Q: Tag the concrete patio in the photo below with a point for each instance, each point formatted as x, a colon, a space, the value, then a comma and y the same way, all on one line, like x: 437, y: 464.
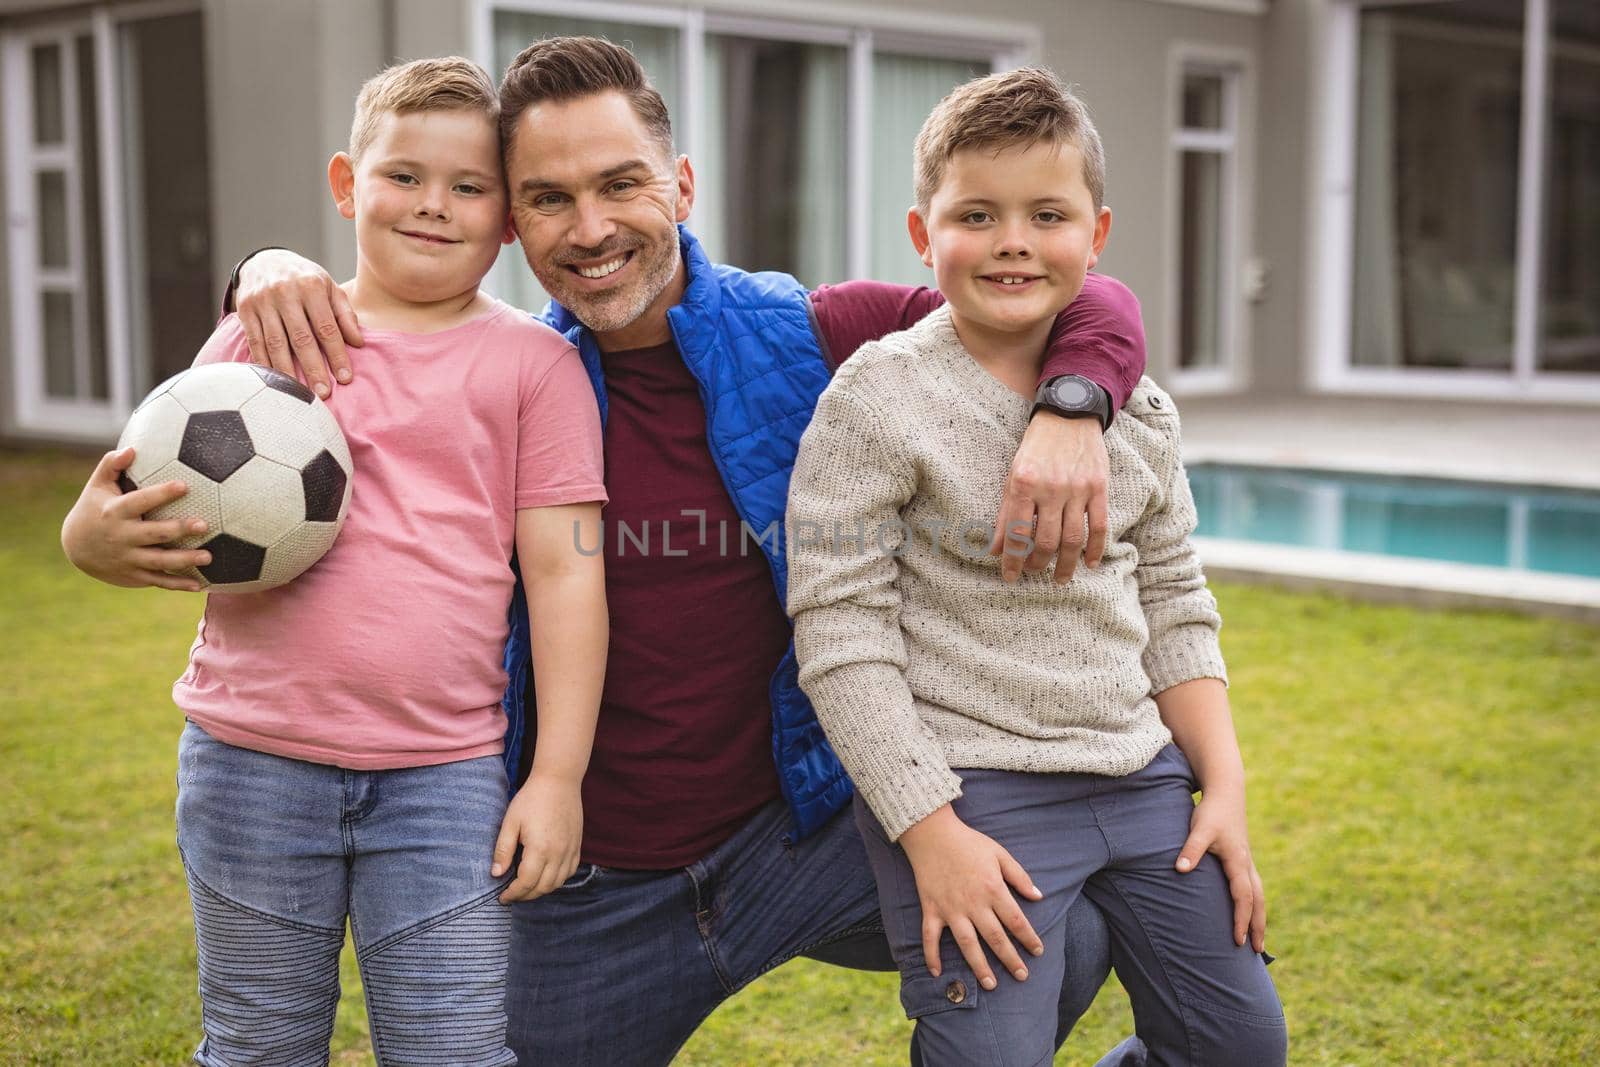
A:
x: 1530, y: 445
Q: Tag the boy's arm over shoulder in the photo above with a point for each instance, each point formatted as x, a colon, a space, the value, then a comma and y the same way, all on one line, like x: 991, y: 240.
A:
x: 1179, y: 609
x: 853, y: 475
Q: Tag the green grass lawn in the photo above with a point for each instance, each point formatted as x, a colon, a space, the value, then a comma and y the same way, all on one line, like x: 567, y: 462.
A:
x: 1423, y: 800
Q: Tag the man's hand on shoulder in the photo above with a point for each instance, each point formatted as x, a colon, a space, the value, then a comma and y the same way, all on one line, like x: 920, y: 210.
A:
x: 293, y: 312
x: 1055, y: 491
x: 106, y: 536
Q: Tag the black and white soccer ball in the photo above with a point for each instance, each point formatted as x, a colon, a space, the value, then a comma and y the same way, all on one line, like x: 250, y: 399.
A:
x: 266, y: 464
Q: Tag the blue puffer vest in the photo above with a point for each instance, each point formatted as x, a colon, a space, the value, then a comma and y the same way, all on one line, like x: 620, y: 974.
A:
x: 751, y: 344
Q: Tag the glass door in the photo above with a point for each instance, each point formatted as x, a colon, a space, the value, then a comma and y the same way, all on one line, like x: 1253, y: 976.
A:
x: 108, y: 209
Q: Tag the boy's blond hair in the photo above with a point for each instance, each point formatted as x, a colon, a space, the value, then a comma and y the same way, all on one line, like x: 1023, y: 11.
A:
x: 1015, y: 108
x: 450, y: 83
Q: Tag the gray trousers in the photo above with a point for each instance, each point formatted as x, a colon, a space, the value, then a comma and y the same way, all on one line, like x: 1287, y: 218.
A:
x: 1197, y: 997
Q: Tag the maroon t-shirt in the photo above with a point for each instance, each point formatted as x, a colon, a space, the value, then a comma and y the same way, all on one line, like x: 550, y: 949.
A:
x: 683, y: 749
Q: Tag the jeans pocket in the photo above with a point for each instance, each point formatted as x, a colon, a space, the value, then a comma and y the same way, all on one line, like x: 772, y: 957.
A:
x: 586, y: 873
x: 923, y: 994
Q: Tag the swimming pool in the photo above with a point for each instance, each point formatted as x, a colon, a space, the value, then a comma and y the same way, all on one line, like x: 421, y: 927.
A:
x: 1514, y: 527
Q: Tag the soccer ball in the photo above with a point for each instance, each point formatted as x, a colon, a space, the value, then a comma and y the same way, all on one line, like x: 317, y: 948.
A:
x: 266, y: 464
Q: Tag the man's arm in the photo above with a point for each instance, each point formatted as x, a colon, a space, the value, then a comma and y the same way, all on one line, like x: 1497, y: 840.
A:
x: 1055, y: 497
x: 293, y: 312
x: 1099, y: 336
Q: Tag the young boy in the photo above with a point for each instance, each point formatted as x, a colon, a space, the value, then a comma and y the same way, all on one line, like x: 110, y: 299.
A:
x: 342, y: 753
x: 1043, y: 736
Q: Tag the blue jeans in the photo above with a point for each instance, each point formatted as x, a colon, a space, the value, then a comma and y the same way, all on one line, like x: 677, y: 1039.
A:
x: 1197, y: 997
x: 279, y: 853
x: 620, y: 967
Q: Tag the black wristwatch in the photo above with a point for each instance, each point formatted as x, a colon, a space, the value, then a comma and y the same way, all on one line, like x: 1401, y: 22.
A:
x: 1073, y: 396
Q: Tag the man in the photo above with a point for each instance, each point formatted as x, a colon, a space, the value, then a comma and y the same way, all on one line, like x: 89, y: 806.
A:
x: 715, y: 845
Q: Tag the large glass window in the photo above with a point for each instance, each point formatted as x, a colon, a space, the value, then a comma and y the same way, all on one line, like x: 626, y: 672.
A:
x: 1436, y: 186
x: 774, y: 155
x: 800, y: 135
x: 1477, y: 187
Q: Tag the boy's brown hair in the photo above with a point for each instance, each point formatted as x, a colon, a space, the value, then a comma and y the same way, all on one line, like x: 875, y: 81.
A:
x: 566, y: 68
x: 1011, y: 109
x: 450, y: 83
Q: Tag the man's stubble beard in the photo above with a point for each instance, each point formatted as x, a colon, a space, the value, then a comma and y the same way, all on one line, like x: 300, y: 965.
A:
x: 617, y: 308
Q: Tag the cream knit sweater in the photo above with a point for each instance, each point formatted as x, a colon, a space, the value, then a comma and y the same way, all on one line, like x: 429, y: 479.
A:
x: 917, y: 657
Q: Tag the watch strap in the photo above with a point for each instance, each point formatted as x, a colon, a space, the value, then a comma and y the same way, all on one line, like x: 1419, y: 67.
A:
x: 233, y: 278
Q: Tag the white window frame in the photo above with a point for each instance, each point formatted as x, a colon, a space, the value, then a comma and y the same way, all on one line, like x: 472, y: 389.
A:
x: 862, y: 31
x: 33, y: 409
x: 1331, y: 232
x: 1231, y: 142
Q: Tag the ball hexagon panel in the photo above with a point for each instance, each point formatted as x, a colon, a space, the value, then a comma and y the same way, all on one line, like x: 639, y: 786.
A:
x: 281, y: 429
x: 216, y: 444
x: 262, y: 501
x: 293, y: 555
x: 283, y: 384
x: 203, y: 501
x: 216, y: 387
x: 232, y: 560
x: 155, y: 433
x: 325, y: 487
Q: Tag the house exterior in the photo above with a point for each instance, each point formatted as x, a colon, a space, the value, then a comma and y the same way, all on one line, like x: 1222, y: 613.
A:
x: 1311, y: 197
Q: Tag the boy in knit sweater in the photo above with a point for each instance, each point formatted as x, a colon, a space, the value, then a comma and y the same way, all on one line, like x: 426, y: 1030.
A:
x: 1044, y: 736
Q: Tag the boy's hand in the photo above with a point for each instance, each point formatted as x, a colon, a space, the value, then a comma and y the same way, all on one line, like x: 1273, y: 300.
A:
x: 293, y: 311
x: 546, y: 819
x: 962, y: 881
x: 1218, y: 826
x: 106, y: 536
x: 1059, y: 477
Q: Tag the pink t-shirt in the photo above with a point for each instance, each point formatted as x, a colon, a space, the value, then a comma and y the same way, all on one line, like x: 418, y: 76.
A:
x: 387, y: 653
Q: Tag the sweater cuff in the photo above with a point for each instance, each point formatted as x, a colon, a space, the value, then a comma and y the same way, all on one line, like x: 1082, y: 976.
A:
x: 914, y: 791
x: 1182, y: 654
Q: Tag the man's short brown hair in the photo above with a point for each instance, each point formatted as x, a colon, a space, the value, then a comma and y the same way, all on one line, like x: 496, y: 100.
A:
x: 566, y: 68
x: 449, y: 83
x: 1016, y: 108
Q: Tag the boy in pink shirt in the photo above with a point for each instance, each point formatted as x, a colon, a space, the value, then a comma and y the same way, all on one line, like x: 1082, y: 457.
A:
x: 342, y: 754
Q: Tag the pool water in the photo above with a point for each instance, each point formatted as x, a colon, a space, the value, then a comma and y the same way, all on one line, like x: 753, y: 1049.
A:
x: 1517, y: 527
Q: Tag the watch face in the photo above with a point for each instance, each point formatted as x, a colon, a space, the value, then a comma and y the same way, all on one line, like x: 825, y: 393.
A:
x: 1071, y: 394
